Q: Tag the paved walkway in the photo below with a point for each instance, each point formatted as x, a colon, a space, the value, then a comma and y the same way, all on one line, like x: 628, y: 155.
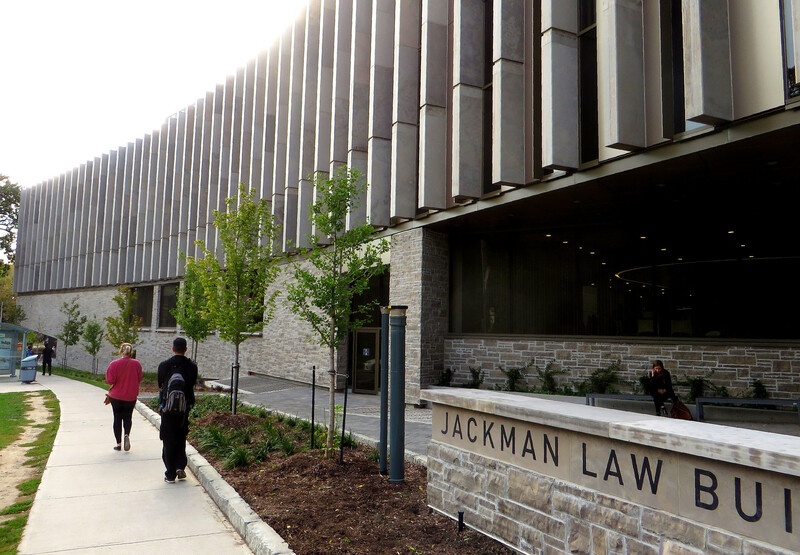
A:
x: 93, y: 499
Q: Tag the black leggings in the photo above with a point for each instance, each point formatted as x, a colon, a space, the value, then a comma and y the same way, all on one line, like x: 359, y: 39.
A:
x: 123, y: 410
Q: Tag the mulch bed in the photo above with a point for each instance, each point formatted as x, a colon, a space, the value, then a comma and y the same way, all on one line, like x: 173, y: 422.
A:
x: 320, y: 506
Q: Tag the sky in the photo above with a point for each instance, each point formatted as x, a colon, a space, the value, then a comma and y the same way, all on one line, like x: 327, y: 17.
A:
x: 79, y: 78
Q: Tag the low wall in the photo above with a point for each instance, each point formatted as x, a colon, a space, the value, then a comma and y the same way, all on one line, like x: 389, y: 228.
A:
x: 544, y: 476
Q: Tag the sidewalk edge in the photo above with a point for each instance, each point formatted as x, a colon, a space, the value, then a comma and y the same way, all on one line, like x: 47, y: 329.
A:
x: 260, y: 537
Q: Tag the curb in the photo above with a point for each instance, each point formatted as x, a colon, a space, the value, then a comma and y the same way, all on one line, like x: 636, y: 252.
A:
x: 259, y: 536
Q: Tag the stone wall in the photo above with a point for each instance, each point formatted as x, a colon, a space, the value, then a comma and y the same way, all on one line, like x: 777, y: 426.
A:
x: 566, y: 478
x: 419, y: 280
x: 732, y: 366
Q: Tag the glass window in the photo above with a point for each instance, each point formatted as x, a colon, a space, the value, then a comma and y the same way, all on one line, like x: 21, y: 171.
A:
x: 143, y: 304
x: 168, y: 303
x: 587, y: 74
x: 708, y: 275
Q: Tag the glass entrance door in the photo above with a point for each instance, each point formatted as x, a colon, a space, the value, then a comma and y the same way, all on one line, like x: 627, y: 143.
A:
x: 366, y: 360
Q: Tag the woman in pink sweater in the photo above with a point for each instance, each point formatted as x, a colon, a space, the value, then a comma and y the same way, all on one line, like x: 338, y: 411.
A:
x: 124, y: 375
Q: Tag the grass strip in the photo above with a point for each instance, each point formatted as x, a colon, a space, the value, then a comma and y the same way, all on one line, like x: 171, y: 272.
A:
x: 12, y: 417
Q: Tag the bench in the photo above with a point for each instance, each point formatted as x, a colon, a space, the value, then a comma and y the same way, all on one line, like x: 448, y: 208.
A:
x: 592, y: 397
x: 736, y: 401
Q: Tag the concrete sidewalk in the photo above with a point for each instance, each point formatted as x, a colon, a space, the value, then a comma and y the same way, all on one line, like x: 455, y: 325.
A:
x: 93, y: 499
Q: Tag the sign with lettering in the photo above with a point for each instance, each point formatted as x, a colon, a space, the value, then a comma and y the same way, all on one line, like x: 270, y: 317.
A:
x: 749, y: 501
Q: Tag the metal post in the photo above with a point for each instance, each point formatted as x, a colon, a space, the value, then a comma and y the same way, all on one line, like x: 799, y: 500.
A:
x: 235, y: 396
x: 344, y: 420
x: 397, y: 407
x: 232, y: 367
x: 384, y: 412
x: 313, y: 401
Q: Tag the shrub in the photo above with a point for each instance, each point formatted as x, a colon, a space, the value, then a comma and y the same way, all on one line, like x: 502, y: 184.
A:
x: 547, y: 377
x: 477, y: 377
x: 759, y: 390
x: 602, y: 380
x: 514, y: 376
x: 445, y: 378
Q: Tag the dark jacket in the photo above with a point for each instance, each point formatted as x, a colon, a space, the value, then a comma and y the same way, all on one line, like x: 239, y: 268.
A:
x: 186, y: 368
x: 662, y: 381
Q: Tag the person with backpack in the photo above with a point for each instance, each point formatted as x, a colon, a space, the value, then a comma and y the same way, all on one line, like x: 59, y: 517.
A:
x: 124, y: 375
x: 48, y: 354
x: 177, y: 377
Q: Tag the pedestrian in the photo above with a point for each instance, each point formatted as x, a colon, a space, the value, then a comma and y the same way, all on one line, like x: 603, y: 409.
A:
x: 29, y: 352
x: 48, y: 353
x: 124, y: 375
x: 175, y: 427
x: 661, y: 387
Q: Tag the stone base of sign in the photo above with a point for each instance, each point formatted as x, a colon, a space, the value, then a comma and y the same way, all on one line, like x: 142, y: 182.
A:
x: 549, y: 477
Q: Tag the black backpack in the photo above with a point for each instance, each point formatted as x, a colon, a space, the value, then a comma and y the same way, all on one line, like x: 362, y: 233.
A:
x: 174, y: 395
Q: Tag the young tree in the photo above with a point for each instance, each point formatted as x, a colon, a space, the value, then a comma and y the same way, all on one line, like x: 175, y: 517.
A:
x: 235, y: 289
x: 10, y: 311
x: 342, y: 267
x: 190, y: 312
x: 93, y: 340
x: 73, y: 326
x: 9, y: 218
x: 123, y: 328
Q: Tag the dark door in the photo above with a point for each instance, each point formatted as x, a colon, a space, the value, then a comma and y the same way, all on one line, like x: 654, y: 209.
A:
x: 366, y: 360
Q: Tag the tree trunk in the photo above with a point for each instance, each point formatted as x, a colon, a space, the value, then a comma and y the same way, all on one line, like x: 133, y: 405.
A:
x: 331, y: 404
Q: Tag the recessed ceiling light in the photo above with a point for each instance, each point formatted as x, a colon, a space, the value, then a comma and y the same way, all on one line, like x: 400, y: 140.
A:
x: 772, y: 163
x: 742, y: 245
x: 642, y: 237
x: 730, y: 232
x: 548, y: 235
x: 565, y: 242
x: 591, y: 252
x: 663, y: 250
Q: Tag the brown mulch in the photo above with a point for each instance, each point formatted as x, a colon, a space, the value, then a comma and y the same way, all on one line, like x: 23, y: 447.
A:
x: 320, y: 506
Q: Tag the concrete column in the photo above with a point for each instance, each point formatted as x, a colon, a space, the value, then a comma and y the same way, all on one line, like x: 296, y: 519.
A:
x: 796, y: 36
x: 270, y: 107
x: 246, y: 155
x: 167, y: 202
x: 405, y: 110
x: 620, y: 50
x: 110, y: 220
x: 468, y: 80
x: 214, y: 187
x: 162, y: 167
x: 433, y: 151
x: 294, y: 136
x: 281, y: 128
x: 358, y: 125
x: 508, y: 93
x: 152, y: 194
x: 227, y: 188
x: 322, y: 149
x: 707, y: 80
x: 204, y: 180
x: 177, y: 229
x: 142, y: 210
x: 341, y: 84
x: 259, y: 85
x: 560, y: 109
x: 194, y: 158
x: 68, y: 229
x: 55, y: 246
x: 114, y: 227
x: 309, y: 121
x: 126, y: 213
x: 40, y: 223
x: 132, y: 211
x: 23, y: 242
x: 237, y: 128
x: 91, y: 232
x: 379, y: 146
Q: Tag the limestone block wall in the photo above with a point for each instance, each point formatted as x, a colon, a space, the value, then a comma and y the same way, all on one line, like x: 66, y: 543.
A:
x: 549, y: 477
x: 419, y: 280
x: 733, y: 366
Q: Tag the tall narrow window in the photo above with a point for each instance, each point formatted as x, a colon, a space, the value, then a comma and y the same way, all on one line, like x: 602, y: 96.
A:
x: 143, y: 304
x: 587, y: 74
x: 168, y: 303
x: 789, y: 61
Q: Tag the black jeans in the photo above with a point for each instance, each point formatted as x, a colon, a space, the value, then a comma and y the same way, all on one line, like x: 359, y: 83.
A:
x: 47, y: 365
x: 173, y: 435
x: 123, y: 410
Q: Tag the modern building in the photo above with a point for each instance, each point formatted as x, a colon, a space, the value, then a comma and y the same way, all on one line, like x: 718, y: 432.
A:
x: 568, y: 182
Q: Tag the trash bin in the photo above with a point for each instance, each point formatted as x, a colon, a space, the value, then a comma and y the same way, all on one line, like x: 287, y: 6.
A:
x: 27, y: 369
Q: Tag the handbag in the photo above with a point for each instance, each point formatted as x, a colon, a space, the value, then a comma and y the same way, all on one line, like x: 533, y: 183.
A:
x: 679, y: 410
